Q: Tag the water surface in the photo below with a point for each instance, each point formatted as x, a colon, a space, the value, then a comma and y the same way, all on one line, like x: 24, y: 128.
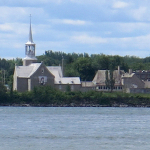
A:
x: 66, y: 128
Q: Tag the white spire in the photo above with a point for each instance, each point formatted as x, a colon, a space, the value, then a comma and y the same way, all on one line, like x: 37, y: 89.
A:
x: 30, y: 32
x: 30, y: 47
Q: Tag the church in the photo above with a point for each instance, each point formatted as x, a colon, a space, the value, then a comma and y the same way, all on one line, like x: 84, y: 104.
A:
x: 33, y: 74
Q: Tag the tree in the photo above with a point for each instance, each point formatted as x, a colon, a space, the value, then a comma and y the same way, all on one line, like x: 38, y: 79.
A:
x: 68, y: 88
x: 84, y: 68
x: 110, y: 81
x: 107, y: 81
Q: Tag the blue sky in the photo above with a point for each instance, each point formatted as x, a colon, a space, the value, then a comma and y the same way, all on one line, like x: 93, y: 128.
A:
x: 111, y: 27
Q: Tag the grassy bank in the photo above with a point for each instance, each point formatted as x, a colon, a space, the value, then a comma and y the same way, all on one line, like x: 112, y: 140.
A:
x: 47, y: 96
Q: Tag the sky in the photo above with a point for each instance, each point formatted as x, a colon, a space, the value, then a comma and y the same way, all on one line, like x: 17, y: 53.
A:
x: 110, y: 27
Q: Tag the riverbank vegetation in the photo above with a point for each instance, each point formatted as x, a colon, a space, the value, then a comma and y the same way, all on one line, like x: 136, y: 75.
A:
x: 48, y: 96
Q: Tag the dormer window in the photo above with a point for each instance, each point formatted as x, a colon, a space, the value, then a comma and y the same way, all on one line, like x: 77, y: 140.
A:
x: 42, y: 70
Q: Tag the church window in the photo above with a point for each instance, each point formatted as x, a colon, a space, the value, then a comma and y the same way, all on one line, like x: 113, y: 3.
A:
x: 42, y: 70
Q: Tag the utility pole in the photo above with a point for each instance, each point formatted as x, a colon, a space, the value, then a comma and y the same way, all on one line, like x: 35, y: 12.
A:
x: 62, y: 66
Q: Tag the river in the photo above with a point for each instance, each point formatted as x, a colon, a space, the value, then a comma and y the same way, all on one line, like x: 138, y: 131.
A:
x: 74, y: 128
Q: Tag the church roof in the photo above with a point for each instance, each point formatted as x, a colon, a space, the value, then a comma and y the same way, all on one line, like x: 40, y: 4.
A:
x: 26, y: 71
x: 68, y: 80
x: 56, y: 71
x: 59, y: 79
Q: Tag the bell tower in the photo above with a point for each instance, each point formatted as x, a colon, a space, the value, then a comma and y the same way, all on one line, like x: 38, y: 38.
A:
x: 29, y: 49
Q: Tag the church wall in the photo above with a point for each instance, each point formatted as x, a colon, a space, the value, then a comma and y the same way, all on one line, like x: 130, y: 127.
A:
x: 73, y: 87
x: 22, y: 84
x: 42, y: 77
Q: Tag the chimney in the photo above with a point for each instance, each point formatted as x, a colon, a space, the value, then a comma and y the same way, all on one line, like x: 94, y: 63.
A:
x: 62, y: 66
x: 118, y: 70
x: 130, y: 71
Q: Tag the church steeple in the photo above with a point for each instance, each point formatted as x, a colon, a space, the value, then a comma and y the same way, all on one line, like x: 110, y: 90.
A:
x: 30, y: 48
x: 30, y: 32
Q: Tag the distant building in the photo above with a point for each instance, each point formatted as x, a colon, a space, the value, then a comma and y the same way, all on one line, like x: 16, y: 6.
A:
x: 100, y: 78
x: 124, y: 82
x: 143, y: 74
x: 33, y: 74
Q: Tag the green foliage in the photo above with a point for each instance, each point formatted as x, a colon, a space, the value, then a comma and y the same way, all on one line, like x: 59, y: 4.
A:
x: 48, y: 96
x: 68, y: 88
x: 84, y: 68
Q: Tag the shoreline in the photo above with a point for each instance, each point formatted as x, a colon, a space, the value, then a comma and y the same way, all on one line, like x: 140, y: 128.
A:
x: 72, y: 105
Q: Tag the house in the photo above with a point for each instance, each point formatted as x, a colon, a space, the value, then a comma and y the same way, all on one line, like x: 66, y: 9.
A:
x: 131, y: 81
x: 126, y: 82
x: 33, y: 74
x: 100, y: 78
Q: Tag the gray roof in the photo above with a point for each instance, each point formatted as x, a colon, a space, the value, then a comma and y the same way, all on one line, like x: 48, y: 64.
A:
x: 55, y: 70
x: 26, y: 71
x: 87, y: 84
x: 68, y: 80
x: 59, y: 79
x: 127, y: 75
x: 100, y: 76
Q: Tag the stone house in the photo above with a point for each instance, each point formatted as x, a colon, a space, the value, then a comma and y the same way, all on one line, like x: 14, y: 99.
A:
x: 100, y: 78
x: 130, y: 80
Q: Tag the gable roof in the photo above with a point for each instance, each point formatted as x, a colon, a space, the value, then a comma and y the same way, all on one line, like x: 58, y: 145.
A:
x: 55, y: 70
x: 59, y: 79
x: 26, y: 71
x: 100, y: 76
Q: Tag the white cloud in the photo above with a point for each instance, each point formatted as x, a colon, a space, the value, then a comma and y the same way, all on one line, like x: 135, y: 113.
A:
x: 73, y: 22
x: 134, y: 26
x: 140, y: 14
x: 138, y: 42
x: 14, y: 14
x: 86, y: 39
x: 6, y: 27
x: 69, y: 21
x: 120, y: 4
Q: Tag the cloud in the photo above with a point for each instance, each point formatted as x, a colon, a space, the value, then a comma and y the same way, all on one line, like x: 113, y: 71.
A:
x: 120, y: 4
x: 19, y: 14
x: 132, y: 26
x: 69, y: 21
x: 140, y: 13
x: 73, y: 22
x: 6, y: 27
x: 137, y: 42
x: 86, y: 39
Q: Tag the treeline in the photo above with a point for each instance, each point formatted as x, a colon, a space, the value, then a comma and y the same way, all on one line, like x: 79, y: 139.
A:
x: 7, y: 70
x: 48, y: 96
x: 83, y: 65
